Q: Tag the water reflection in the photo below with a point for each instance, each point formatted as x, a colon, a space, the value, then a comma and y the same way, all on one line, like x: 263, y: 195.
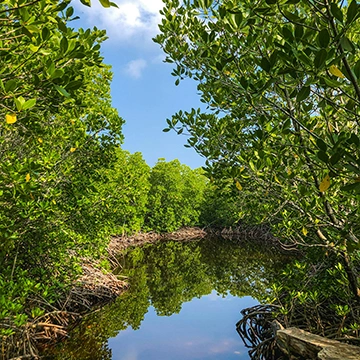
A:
x: 182, y: 336
x: 210, y: 281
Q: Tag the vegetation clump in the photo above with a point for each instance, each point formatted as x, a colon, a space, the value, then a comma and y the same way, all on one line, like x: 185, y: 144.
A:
x: 280, y: 135
x: 280, y: 80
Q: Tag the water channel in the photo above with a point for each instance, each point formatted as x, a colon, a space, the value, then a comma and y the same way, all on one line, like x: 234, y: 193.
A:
x: 183, y: 303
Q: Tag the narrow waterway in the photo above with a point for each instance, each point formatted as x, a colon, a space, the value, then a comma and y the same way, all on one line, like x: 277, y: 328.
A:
x: 183, y: 303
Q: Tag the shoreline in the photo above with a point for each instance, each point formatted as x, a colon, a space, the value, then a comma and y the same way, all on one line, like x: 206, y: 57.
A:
x: 96, y: 288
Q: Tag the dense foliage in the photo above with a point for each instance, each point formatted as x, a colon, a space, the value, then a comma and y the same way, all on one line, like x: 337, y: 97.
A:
x: 280, y: 79
x: 58, y: 131
x: 125, y: 193
x: 175, y: 196
x: 221, y: 207
x: 280, y: 135
x: 66, y: 185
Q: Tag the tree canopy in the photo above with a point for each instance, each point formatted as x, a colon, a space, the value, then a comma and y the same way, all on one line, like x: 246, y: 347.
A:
x: 280, y: 81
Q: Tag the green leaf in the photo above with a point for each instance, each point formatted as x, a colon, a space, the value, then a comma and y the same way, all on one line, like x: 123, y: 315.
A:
x: 350, y: 104
x: 347, y: 44
x: 291, y: 16
x: 350, y: 187
x: 288, y: 35
x: 323, y: 156
x: 45, y: 33
x: 10, y: 85
x: 32, y: 29
x: 352, y: 12
x: 62, y: 6
x: 332, y: 82
x: 271, y: 2
x: 61, y: 25
x: 105, y: 3
x: 45, y: 52
x: 86, y: 2
x: 354, y: 139
x: 303, y: 93
x: 64, y: 45
x: 166, y: 130
x: 74, y: 85
x: 321, y: 144
x: 62, y: 91
x: 235, y: 19
x: 299, y: 31
x: 29, y: 104
x: 19, y: 102
x: 320, y: 58
x: 337, y: 13
x: 219, y: 66
x: 58, y: 73
x: 33, y: 48
x: 324, y: 38
x: 265, y: 64
x: 69, y: 11
x: 335, y: 158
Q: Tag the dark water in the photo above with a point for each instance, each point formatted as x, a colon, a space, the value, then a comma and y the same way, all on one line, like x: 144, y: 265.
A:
x: 184, y: 301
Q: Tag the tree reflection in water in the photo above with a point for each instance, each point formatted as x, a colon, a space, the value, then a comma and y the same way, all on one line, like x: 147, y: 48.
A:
x: 166, y: 275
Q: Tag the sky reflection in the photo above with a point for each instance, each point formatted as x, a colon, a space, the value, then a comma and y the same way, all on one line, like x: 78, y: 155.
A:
x: 204, y: 329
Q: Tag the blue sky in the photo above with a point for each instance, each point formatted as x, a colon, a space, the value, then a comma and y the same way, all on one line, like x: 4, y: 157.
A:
x: 143, y: 89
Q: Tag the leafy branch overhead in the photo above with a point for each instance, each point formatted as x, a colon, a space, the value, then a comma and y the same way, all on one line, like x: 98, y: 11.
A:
x: 59, y: 134
x: 280, y: 82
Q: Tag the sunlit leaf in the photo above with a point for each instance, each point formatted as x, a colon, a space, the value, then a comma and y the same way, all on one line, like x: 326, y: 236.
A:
x: 335, y: 71
x: 304, y: 231
x: 238, y: 185
x: 10, y: 118
x: 105, y: 3
x: 62, y: 91
x: 27, y: 177
x: 29, y: 104
x: 72, y: 149
x: 325, y: 183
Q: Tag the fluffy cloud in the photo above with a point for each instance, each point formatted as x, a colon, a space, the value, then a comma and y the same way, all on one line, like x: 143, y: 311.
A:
x: 135, y: 68
x: 133, y: 20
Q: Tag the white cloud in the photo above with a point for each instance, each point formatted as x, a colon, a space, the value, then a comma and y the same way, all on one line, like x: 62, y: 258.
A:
x: 135, y: 68
x: 133, y: 20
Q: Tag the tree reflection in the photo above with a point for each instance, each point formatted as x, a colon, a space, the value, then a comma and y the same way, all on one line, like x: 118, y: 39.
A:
x: 167, y: 274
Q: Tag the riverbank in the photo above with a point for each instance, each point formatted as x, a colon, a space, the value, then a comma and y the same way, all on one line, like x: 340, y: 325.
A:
x: 97, y: 287
x: 92, y: 290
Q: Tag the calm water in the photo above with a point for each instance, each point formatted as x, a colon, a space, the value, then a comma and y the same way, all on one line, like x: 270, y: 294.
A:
x: 184, y: 301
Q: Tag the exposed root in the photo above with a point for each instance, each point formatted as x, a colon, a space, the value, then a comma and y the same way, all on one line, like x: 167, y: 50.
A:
x: 120, y: 243
x: 93, y: 289
x: 258, y: 326
x: 257, y: 332
x: 28, y: 339
x: 261, y: 234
